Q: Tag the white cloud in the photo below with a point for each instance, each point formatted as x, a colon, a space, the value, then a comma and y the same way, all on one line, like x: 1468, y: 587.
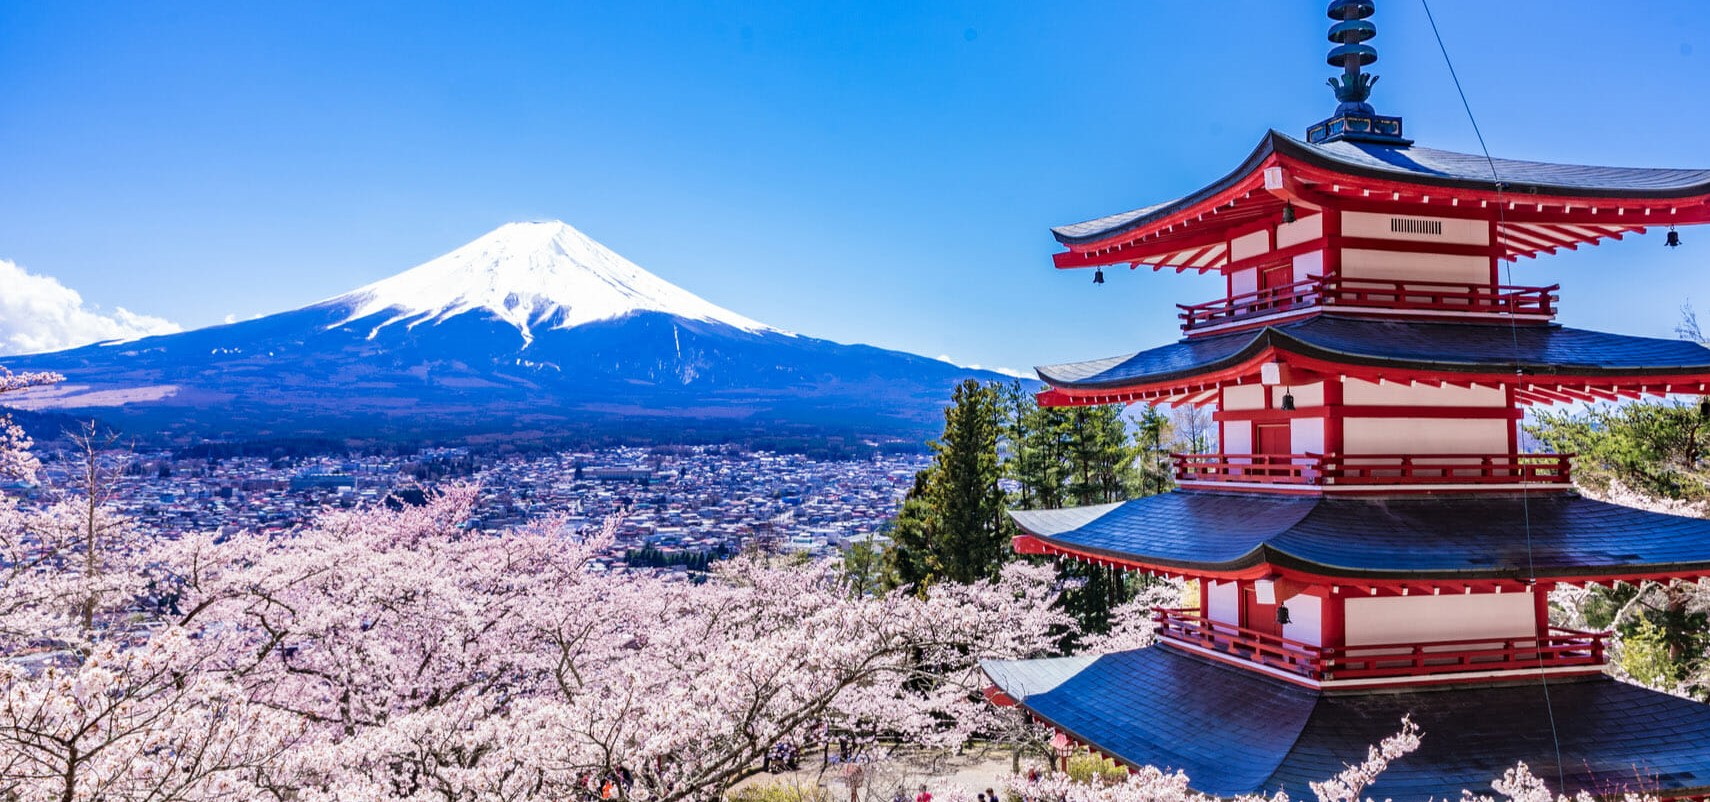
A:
x: 1011, y: 372
x: 37, y: 313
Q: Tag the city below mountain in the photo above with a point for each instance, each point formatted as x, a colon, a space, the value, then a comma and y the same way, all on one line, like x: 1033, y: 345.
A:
x: 534, y: 331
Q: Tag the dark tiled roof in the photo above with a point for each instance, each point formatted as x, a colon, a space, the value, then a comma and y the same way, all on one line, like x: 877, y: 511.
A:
x: 1238, y: 732
x: 1458, y: 347
x: 1427, y: 166
x: 1426, y: 537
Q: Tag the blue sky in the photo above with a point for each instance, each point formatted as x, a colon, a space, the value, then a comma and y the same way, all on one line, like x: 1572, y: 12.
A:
x: 880, y: 172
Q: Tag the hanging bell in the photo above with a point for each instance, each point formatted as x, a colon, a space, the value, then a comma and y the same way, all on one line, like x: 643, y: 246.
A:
x: 1673, y: 240
x: 1282, y: 615
x: 1288, y: 402
x: 1288, y: 212
x: 1704, y: 407
x: 1098, y: 276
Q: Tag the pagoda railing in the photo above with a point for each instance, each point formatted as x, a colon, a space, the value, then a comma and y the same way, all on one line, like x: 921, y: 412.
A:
x: 1560, y: 648
x: 1375, y: 469
x: 1416, y: 296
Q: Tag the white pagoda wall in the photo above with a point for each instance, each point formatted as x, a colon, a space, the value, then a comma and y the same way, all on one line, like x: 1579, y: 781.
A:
x: 1424, y: 436
x: 1358, y: 263
x: 1306, y: 619
x: 1357, y: 392
x: 1305, y: 229
x: 1306, y: 434
x: 1223, y: 602
x: 1259, y: 243
x: 1412, y: 619
x: 1401, y: 435
x: 1456, y: 231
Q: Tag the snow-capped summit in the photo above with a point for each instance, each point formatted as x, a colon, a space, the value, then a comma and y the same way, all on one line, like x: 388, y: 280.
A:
x: 534, y: 276
x: 533, y: 332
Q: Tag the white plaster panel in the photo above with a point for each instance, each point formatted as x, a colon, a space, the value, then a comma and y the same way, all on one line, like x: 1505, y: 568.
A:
x: 1305, y: 395
x: 1412, y: 619
x: 1360, y: 263
x: 1245, y: 396
x: 1309, y: 264
x: 1424, y: 436
x: 1457, y: 231
x: 1302, y: 230
x: 1242, y: 282
x: 1358, y: 392
x: 1250, y: 245
x: 1306, y: 435
x: 1223, y: 602
x: 1238, y: 437
x: 1306, y: 619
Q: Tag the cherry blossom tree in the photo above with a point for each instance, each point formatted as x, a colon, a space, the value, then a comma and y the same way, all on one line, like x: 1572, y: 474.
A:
x: 16, y: 461
x: 429, y: 660
x: 153, y: 722
x: 403, y: 655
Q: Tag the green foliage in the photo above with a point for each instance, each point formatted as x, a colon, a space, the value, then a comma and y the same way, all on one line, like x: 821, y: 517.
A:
x: 1086, y: 767
x: 1086, y: 455
x: 953, y: 525
x: 779, y: 791
x: 1664, y: 639
x: 863, y: 569
x: 652, y: 557
x: 953, y: 522
x: 1659, y: 449
x: 1645, y: 656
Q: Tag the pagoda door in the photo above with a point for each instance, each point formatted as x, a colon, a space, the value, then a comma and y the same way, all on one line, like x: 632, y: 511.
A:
x: 1271, y: 448
x: 1273, y: 438
x: 1274, y: 282
x: 1256, y: 616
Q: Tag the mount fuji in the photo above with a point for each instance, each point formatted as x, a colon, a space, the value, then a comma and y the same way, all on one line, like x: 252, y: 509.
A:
x: 533, y: 331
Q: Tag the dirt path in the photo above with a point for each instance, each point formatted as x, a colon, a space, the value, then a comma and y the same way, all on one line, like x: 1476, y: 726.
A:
x: 975, y: 771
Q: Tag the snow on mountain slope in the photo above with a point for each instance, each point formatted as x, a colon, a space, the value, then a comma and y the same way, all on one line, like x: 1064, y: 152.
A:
x: 533, y: 276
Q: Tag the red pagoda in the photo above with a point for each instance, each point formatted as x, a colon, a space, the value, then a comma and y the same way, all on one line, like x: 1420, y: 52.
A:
x: 1370, y: 541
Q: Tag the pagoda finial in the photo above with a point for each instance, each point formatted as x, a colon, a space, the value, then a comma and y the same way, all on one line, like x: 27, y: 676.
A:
x: 1354, y: 118
x: 1350, y: 33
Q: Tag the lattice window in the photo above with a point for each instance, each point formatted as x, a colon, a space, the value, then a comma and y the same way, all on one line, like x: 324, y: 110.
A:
x: 1413, y: 225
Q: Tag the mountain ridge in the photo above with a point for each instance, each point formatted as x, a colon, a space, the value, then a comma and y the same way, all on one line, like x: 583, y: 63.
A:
x: 547, y: 271
x: 532, y: 330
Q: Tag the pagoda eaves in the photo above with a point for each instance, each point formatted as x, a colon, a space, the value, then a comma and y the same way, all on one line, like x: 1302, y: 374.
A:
x: 1540, y: 207
x: 1542, y: 364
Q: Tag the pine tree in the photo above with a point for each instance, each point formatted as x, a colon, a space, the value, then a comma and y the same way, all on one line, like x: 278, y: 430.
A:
x: 953, y: 525
x: 1153, y: 473
x: 973, y: 538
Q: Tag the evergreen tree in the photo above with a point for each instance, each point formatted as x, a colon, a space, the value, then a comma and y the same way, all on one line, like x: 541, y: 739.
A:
x: 953, y: 525
x: 909, y: 561
x: 1153, y: 471
x: 1039, y: 462
x: 1101, y: 454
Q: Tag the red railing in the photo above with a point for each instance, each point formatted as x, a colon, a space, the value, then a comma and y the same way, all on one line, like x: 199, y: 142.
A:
x: 1560, y: 648
x: 1267, y: 301
x: 1422, y: 296
x: 1376, y: 469
x: 1292, y: 469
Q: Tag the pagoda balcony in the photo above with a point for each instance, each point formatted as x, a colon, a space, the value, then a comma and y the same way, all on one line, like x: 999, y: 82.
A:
x: 1376, y: 469
x: 1561, y: 648
x: 1422, y: 298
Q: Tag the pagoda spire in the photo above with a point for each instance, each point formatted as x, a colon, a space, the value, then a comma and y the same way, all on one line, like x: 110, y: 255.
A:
x: 1354, y: 119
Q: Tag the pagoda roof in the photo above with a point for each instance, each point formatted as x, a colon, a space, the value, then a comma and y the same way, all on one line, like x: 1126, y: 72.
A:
x: 1235, y: 731
x: 1431, y: 347
x: 1416, y: 166
x: 1423, y: 537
